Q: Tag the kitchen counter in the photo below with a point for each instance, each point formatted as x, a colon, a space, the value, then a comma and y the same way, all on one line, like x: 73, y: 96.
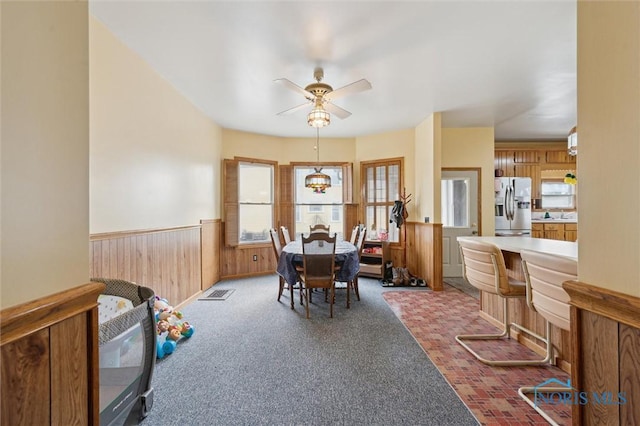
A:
x: 516, y: 244
x: 554, y: 221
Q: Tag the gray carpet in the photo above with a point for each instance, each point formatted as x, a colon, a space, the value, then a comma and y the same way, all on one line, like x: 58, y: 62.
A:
x: 254, y: 361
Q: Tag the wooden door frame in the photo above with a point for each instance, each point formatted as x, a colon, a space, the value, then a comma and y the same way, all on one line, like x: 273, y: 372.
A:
x: 478, y: 171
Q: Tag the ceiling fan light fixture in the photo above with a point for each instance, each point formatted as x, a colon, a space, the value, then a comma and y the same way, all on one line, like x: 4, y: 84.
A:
x: 318, y: 117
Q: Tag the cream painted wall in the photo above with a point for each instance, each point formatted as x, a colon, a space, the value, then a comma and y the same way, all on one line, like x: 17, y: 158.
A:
x: 45, y: 149
x: 395, y: 144
x: 237, y: 143
x: 428, y: 160
x: 608, y: 144
x: 155, y: 158
x: 473, y: 147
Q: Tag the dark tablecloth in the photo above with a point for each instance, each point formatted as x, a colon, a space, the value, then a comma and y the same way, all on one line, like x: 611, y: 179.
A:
x: 346, y: 257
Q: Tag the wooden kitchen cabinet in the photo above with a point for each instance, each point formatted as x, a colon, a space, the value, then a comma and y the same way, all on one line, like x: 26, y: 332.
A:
x: 537, y: 230
x: 559, y: 156
x: 570, y: 231
x: 555, y: 231
x: 527, y: 156
x: 503, y: 160
x: 514, y: 163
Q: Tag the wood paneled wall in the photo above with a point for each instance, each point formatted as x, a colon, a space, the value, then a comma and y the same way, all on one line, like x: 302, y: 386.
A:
x: 50, y: 361
x: 424, y: 252
x: 210, y: 241
x: 168, y: 260
x: 491, y: 308
x: 605, y: 331
x: 239, y: 261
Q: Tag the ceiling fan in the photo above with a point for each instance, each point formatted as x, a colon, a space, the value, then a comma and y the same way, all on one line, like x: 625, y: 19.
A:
x: 322, y: 95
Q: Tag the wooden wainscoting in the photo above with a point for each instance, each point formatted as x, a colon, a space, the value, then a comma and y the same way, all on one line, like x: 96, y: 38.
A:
x: 210, y: 238
x: 165, y: 260
x: 424, y: 252
x: 491, y: 309
x: 50, y: 361
x: 396, y: 254
x: 605, y: 332
x: 239, y: 261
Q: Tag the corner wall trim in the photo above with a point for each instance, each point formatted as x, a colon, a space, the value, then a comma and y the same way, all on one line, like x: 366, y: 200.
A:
x: 611, y: 304
x: 27, y: 318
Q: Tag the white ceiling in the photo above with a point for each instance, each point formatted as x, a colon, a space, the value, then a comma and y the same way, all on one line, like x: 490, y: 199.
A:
x: 507, y: 64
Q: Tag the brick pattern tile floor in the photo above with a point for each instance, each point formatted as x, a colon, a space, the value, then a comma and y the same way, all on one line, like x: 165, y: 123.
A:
x: 491, y: 393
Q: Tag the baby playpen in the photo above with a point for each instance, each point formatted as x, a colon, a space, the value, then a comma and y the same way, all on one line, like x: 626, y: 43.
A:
x: 127, y: 338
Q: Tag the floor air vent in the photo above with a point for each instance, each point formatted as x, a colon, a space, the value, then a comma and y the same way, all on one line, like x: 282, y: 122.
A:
x: 217, y: 295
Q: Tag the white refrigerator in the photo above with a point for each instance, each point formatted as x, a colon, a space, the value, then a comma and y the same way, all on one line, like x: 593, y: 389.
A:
x: 513, y: 206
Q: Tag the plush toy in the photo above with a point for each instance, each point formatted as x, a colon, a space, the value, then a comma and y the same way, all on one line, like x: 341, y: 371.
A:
x: 170, y: 327
x: 163, y: 326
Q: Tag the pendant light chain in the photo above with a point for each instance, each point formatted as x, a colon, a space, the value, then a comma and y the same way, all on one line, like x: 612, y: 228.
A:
x: 318, y: 181
x: 318, y: 145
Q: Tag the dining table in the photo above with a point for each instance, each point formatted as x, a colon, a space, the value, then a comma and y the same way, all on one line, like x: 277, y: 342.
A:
x: 346, y: 256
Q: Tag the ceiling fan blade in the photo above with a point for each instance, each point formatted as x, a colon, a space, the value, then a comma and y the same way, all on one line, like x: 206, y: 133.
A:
x: 291, y: 85
x: 336, y: 110
x: 294, y: 109
x: 355, y: 87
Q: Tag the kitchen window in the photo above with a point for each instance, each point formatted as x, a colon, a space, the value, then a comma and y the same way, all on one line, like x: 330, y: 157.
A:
x: 558, y: 195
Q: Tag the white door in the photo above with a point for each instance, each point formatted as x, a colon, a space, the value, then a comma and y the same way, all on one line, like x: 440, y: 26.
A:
x: 459, y: 215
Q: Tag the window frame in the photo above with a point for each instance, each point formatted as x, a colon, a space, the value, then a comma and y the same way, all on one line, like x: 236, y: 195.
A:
x: 364, y: 165
x: 346, y: 190
x: 232, y: 202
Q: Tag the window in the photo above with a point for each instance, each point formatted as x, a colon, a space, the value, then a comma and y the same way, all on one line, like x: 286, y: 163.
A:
x: 382, y: 182
x: 557, y: 195
x: 336, y: 213
x: 455, y: 202
x: 249, y: 201
x: 312, y: 208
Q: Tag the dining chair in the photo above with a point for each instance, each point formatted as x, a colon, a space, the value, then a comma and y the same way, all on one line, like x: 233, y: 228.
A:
x: 318, y: 264
x: 544, y: 275
x: 354, y: 235
x: 484, y: 268
x: 285, y: 234
x: 277, y: 250
x: 319, y: 228
x: 359, y: 246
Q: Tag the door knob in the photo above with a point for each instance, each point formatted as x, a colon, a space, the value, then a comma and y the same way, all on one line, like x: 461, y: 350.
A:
x: 474, y: 232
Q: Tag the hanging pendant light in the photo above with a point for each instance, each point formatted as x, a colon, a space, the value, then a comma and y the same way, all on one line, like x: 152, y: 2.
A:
x: 317, y: 181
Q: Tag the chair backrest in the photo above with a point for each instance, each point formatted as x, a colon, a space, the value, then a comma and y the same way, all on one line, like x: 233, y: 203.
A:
x: 354, y: 235
x: 275, y: 242
x: 360, y: 243
x: 318, y: 254
x: 319, y: 228
x: 285, y: 234
x: 483, y: 267
x: 544, y: 275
